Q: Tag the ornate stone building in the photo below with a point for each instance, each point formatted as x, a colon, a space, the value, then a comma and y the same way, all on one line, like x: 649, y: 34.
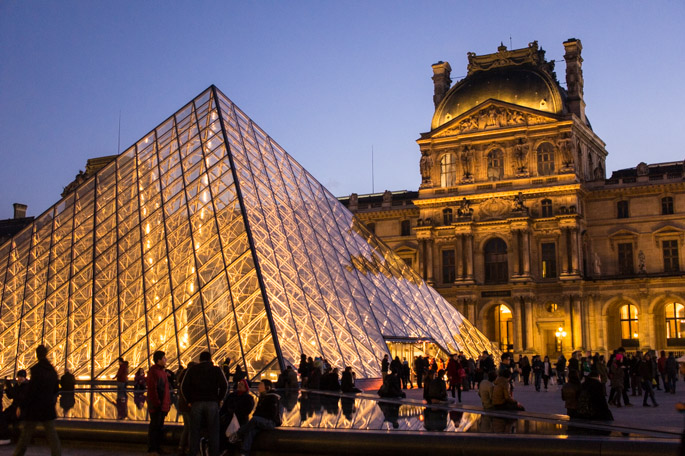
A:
x: 516, y: 224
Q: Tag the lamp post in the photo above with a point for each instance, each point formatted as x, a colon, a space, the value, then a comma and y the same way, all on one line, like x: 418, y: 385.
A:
x: 560, y: 338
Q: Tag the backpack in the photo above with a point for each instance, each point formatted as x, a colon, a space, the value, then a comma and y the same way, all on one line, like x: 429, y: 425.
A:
x: 585, y: 408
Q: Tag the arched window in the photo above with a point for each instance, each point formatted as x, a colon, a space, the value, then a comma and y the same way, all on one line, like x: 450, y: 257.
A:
x: 495, y: 164
x: 496, y: 266
x: 545, y: 159
x: 667, y: 205
x: 675, y: 323
x: 546, y: 206
x: 448, y: 170
x: 447, y: 217
x: 504, y: 327
x: 629, y: 334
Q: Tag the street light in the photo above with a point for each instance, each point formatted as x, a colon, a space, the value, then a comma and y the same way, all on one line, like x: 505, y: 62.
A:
x: 560, y: 335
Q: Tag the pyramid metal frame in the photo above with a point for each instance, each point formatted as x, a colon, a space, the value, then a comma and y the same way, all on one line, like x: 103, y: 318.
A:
x: 206, y: 234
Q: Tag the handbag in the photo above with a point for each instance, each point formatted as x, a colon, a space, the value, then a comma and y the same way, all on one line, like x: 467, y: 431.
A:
x: 233, y: 426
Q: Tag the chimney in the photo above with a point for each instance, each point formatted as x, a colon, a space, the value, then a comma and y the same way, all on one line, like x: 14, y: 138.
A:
x: 19, y: 210
x: 441, y: 81
x: 574, y: 77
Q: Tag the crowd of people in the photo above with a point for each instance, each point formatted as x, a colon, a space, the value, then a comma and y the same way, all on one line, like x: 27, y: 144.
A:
x: 217, y: 413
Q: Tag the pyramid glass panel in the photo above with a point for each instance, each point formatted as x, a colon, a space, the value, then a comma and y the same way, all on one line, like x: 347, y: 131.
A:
x: 207, y: 235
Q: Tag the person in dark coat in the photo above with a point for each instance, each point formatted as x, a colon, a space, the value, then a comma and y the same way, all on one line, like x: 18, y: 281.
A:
x: 17, y: 392
x: 391, y: 386
x: 158, y: 401
x: 39, y: 404
x: 183, y: 408
x: 570, y: 392
x: 303, y: 370
x: 385, y: 365
x: 561, y: 369
x: 267, y: 415
x: 437, y: 389
x: 67, y: 385
x: 239, y: 404
x: 592, y: 392
x: 644, y: 373
x: 347, y: 383
x: 204, y: 387
x: 671, y: 372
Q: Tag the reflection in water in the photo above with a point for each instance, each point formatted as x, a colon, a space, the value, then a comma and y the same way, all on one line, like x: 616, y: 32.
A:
x: 306, y: 409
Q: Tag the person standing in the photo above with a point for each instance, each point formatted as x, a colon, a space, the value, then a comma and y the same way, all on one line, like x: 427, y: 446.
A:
x: 419, y: 371
x: 546, y: 371
x: 122, y: 374
x: 385, y: 365
x: 644, y: 373
x: 561, y: 369
x: 39, y: 404
x: 158, y: 401
x: 671, y: 372
x: 661, y: 367
x: 537, y: 372
x: 204, y: 387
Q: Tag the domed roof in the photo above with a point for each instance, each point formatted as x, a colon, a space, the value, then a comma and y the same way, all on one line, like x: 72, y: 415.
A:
x: 530, y: 84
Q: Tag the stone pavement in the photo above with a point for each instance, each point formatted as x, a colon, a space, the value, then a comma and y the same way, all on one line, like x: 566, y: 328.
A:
x: 664, y: 417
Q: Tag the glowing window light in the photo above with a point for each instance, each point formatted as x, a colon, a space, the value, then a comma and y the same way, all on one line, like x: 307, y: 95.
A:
x: 192, y: 287
x: 150, y: 260
x: 147, y: 228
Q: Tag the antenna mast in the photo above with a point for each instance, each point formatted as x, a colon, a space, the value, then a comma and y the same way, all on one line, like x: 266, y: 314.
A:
x: 373, y: 189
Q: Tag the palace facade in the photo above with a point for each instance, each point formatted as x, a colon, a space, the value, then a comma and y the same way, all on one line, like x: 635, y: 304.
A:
x: 516, y: 224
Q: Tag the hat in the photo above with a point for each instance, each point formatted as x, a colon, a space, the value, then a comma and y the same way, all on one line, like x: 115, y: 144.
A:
x: 681, y: 359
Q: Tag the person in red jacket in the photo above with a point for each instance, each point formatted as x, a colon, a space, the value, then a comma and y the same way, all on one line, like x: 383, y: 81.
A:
x: 158, y: 401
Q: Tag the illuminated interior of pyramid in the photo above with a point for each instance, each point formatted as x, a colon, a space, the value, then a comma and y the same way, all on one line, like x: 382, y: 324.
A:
x: 207, y: 235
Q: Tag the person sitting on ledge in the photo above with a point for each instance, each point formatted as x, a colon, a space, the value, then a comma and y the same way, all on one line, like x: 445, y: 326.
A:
x: 347, y: 383
x: 266, y: 416
x: 501, y: 398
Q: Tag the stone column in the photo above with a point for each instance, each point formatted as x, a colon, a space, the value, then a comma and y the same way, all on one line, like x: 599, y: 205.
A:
x: 530, y: 328
x: 516, y: 252
x: 577, y: 325
x: 430, y: 260
x: 564, y: 251
x: 469, y: 257
x: 422, y: 258
x: 518, y: 326
x: 573, y: 232
x: 459, y: 257
x: 526, y: 253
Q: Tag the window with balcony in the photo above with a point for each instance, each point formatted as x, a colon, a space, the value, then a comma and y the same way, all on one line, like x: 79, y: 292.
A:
x: 625, y: 259
x: 496, y: 265
x: 549, y: 260
x: 670, y: 251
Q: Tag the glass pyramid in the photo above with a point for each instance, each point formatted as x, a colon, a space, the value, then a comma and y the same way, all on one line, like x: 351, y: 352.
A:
x: 206, y: 234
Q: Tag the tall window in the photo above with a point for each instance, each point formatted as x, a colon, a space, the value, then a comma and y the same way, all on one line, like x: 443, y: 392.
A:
x: 545, y: 159
x: 495, y: 164
x: 629, y: 334
x: 549, y: 260
x: 675, y: 322
x: 670, y: 249
x: 447, y: 217
x: 546, y: 206
x: 448, y: 266
x: 625, y: 258
x: 448, y: 170
x: 496, y: 266
x: 405, y: 228
x: 667, y: 205
x: 504, y: 327
x: 622, y: 209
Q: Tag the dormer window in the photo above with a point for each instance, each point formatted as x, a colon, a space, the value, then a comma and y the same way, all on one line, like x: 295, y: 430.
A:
x: 545, y: 159
x: 495, y: 164
x: 448, y: 170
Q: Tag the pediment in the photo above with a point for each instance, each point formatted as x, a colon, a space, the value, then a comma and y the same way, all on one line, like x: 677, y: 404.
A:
x: 623, y: 233
x: 668, y: 229
x: 493, y: 115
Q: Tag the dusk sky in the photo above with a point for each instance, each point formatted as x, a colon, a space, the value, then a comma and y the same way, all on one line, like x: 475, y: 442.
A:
x: 327, y: 80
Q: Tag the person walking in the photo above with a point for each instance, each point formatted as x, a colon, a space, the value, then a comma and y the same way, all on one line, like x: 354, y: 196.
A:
x: 39, y: 405
x: 546, y: 371
x: 158, y: 402
x: 644, y: 373
x: 204, y: 387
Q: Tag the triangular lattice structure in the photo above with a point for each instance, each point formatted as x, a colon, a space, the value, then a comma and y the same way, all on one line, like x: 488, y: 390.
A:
x: 206, y: 234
